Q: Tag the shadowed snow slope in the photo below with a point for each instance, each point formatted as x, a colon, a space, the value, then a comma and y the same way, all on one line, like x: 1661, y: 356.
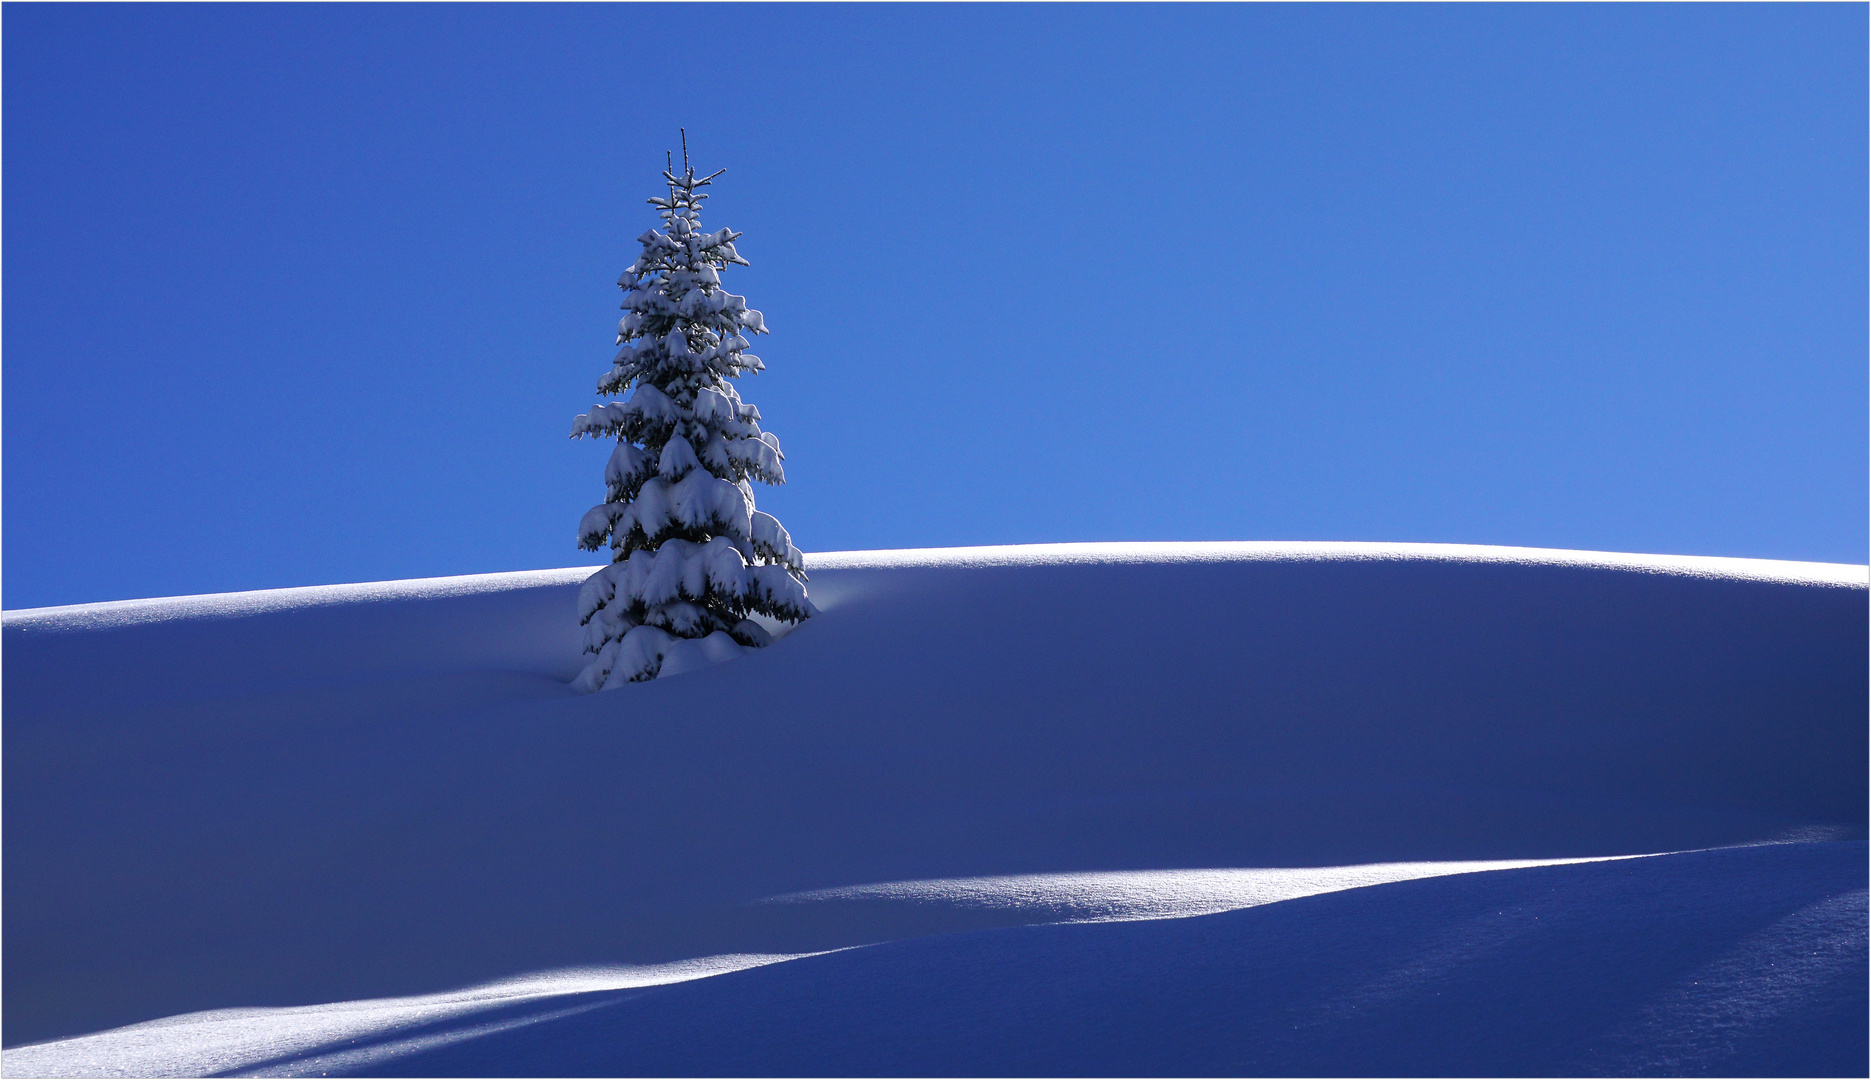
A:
x: 358, y: 792
x: 1734, y: 962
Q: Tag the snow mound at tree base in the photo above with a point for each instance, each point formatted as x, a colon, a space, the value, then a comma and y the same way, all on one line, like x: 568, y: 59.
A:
x: 377, y: 791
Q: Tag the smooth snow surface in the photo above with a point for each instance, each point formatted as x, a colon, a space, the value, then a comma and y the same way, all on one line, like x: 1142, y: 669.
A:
x: 1281, y: 765
x: 343, y: 1036
x: 1127, y: 895
x: 1748, y: 961
x: 318, y: 1039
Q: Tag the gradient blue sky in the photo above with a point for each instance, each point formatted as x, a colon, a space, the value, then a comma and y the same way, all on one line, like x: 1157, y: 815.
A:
x: 310, y: 293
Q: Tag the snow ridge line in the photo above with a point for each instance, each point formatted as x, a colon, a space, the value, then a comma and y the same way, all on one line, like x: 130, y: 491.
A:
x: 1845, y: 575
x: 113, y: 613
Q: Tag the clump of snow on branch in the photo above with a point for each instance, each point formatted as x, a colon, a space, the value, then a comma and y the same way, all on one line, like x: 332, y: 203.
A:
x: 693, y: 561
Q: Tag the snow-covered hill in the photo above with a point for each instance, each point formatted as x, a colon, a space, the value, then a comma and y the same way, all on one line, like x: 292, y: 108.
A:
x: 1301, y: 808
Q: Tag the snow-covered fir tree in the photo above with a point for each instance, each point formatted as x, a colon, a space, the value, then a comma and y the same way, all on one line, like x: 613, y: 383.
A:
x: 693, y: 558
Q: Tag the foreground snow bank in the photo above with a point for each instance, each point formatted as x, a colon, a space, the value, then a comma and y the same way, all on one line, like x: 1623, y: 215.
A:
x: 367, y: 792
x: 1732, y: 962
x: 325, y: 1037
x: 1743, y: 962
x: 352, y: 1034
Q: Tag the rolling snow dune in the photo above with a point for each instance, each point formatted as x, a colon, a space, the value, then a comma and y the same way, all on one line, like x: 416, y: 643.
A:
x: 355, y: 793
x: 1657, y: 966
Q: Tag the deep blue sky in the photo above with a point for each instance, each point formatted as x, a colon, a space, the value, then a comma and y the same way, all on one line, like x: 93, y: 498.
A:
x: 310, y: 294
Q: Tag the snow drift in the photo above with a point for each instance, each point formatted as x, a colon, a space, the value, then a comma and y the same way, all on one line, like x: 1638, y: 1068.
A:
x: 1173, y: 808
